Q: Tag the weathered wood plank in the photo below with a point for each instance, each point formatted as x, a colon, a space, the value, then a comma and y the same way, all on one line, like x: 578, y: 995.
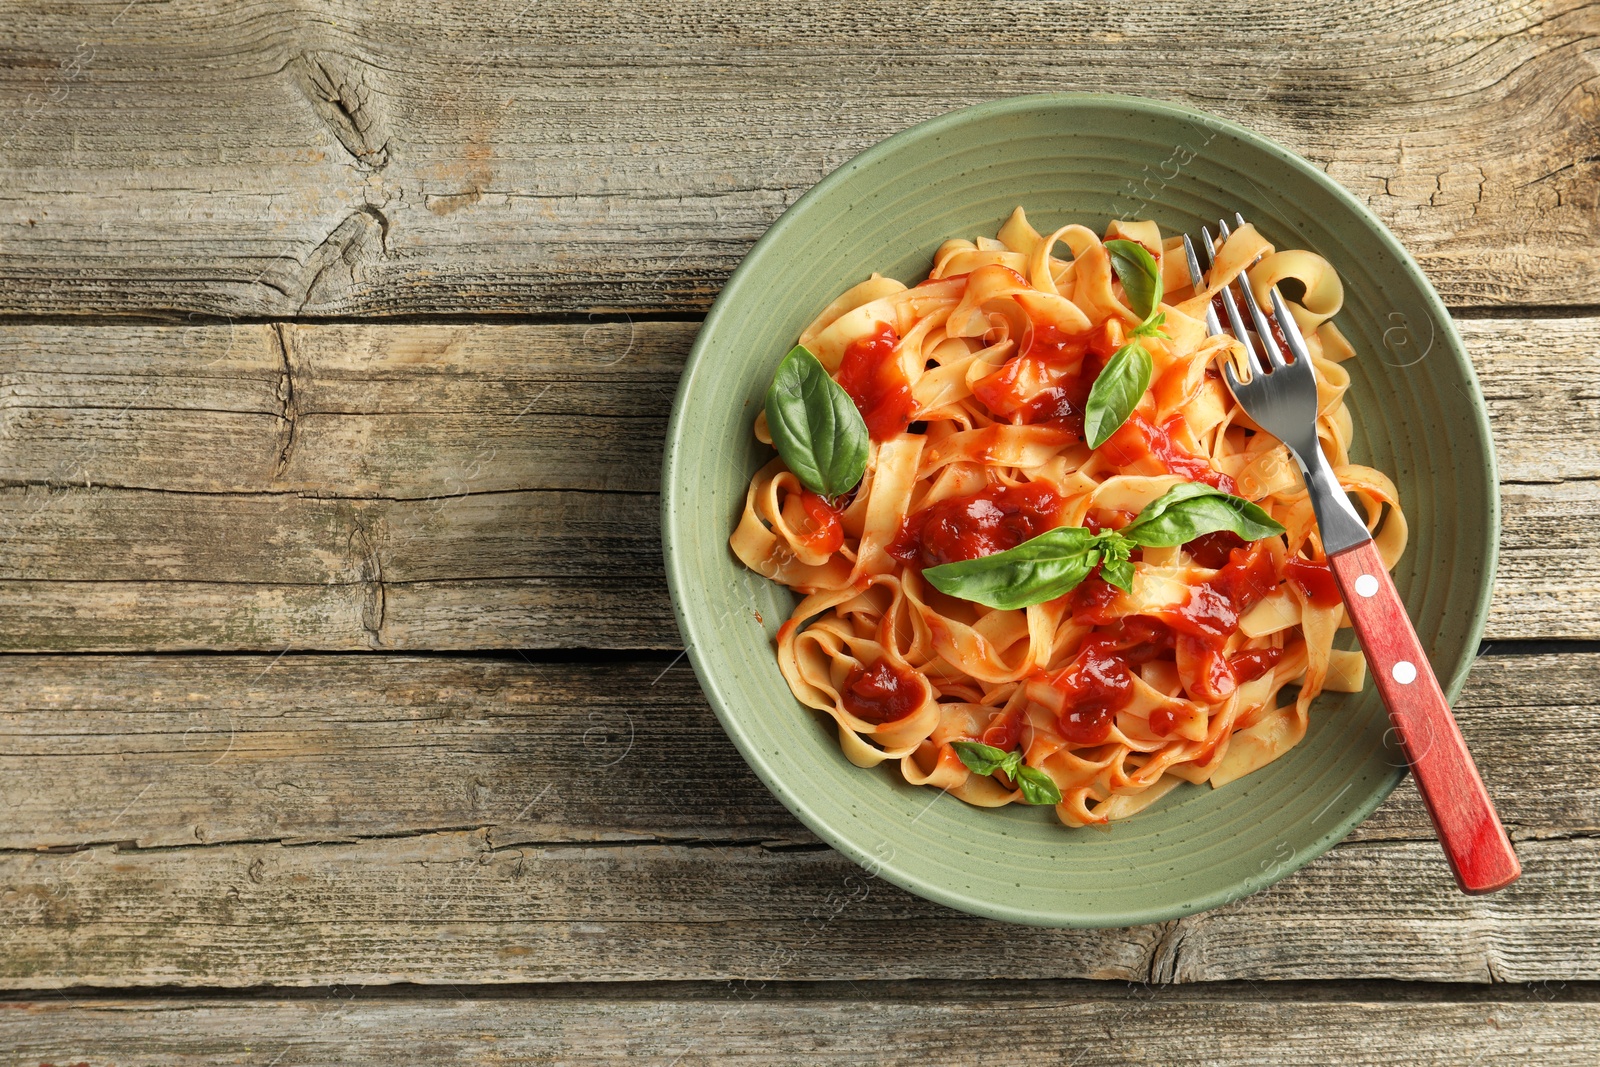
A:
x: 424, y: 487
x: 1539, y: 384
x: 109, y: 570
x: 960, y: 1024
x: 495, y: 570
x: 1539, y: 787
x: 381, y: 819
x: 411, y: 412
x: 166, y: 751
x: 231, y: 748
x: 341, y: 159
x: 459, y: 907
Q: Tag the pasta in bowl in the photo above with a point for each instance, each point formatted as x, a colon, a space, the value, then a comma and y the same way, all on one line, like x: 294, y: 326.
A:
x: 1070, y: 570
x: 1418, y: 418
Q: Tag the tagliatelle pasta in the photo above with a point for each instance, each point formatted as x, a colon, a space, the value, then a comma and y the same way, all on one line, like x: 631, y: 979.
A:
x: 972, y: 386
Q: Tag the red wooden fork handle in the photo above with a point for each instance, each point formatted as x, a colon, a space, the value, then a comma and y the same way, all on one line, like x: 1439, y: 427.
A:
x: 1470, y: 831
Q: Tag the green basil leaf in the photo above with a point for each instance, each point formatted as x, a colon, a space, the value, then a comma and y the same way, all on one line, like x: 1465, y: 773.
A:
x: 1140, y: 276
x: 1115, y: 553
x: 1113, y: 545
x: 1116, y: 392
x: 980, y: 758
x: 1151, y: 327
x: 1037, y: 786
x: 1192, y: 509
x: 1118, y: 572
x: 815, y: 426
x: 1041, y: 568
x: 1012, y: 762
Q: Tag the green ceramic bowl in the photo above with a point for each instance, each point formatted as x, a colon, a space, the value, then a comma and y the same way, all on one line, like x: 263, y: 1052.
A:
x: 1087, y: 158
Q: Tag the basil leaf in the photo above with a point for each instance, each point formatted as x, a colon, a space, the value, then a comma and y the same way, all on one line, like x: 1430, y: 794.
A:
x: 1118, y: 572
x: 815, y: 426
x: 1116, y: 392
x: 1113, y: 545
x: 1151, y: 327
x: 981, y: 758
x: 1141, y: 278
x: 1041, y: 568
x: 1037, y: 786
x: 1115, y: 553
x: 1193, y: 509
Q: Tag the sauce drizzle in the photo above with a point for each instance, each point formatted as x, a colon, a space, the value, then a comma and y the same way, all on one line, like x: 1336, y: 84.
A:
x: 872, y: 376
x: 882, y: 693
x: 986, y: 522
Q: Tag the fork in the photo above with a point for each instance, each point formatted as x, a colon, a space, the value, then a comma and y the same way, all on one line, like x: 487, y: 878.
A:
x: 1281, y: 396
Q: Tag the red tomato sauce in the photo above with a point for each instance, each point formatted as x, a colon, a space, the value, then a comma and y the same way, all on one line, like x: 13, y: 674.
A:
x: 1053, y: 345
x: 1098, y: 683
x: 827, y: 531
x: 1143, y: 639
x: 873, y: 378
x: 1213, y: 608
x: 1139, y: 438
x: 1093, y: 599
x: 1004, y: 730
x: 1252, y: 663
x: 1105, y: 341
x: 1047, y: 384
x: 1210, y: 615
x: 1214, y: 549
x: 1208, y: 675
x: 1202, y: 668
x: 1061, y: 403
x: 882, y: 693
x: 966, y: 527
x: 1315, y: 580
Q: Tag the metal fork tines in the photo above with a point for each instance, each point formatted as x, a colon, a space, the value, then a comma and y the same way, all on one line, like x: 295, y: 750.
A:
x: 1280, y: 395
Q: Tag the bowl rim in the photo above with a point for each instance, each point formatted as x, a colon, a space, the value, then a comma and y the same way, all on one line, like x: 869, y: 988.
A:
x: 676, y: 580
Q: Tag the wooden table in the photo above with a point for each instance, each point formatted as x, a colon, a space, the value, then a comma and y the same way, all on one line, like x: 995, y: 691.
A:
x: 347, y: 719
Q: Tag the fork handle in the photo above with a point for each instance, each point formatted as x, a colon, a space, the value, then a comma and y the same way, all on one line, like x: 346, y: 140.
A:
x: 1474, y: 841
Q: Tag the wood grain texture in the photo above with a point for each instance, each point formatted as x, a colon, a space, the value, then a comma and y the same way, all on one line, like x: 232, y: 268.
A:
x: 428, y: 487
x: 320, y: 819
x: 168, y: 751
x: 307, y: 748
x: 210, y: 821
x: 460, y: 906
x: 340, y: 158
x: 757, y: 1024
